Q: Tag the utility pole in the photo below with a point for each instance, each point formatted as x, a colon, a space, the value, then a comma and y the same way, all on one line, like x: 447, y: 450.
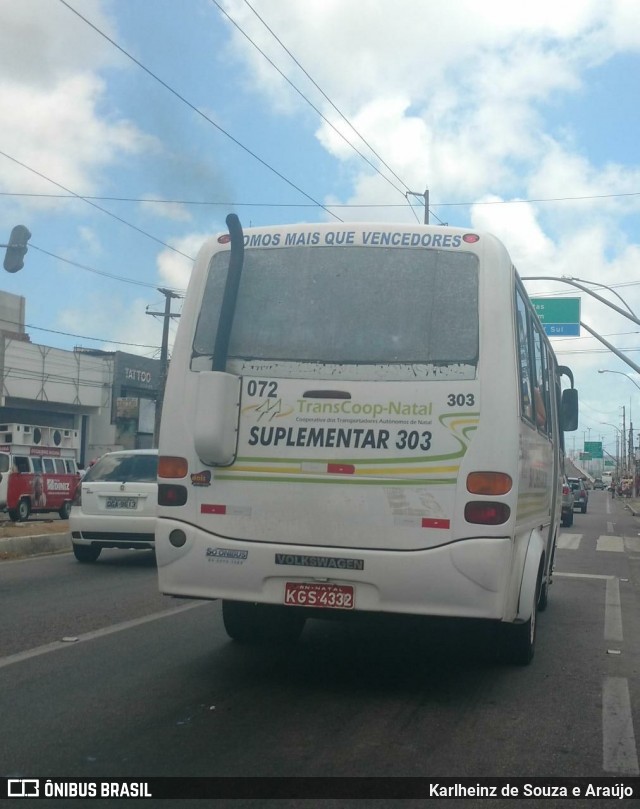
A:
x: 425, y: 196
x: 164, y: 357
x: 623, y: 441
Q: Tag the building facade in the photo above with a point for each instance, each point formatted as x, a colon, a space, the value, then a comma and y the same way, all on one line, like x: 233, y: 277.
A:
x: 100, y: 401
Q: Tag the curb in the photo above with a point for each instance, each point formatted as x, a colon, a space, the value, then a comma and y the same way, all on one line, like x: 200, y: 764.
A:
x: 39, y: 545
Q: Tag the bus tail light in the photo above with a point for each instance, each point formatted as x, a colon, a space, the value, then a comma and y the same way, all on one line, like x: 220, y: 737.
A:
x: 489, y: 483
x: 482, y: 512
x: 170, y: 494
x: 172, y: 467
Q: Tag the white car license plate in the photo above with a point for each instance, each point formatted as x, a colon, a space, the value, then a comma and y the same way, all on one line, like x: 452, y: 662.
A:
x: 324, y: 596
x: 122, y: 502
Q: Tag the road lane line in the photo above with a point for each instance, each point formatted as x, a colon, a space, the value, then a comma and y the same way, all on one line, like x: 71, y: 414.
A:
x: 612, y: 611
x: 614, y: 544
x: 97, y: 633
x: 569, y: 542
x: 619, y: 753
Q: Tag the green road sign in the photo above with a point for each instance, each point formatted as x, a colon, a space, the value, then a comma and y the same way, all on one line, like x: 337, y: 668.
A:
x: 594, y: 448
x: 559, y: 316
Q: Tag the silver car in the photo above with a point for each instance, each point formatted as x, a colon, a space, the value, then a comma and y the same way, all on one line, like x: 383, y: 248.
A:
x: 115, y: 504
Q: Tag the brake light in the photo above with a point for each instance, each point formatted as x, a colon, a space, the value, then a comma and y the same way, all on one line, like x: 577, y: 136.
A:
x: 565, y: 490
x: 171, y: 495
x: 172, y: 467
x: 492, y: 483
x: 482, y: 512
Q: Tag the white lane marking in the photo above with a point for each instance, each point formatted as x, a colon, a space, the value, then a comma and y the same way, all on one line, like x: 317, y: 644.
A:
x: 569, y: 542
x: 613, y: 544
x: 610, y: 527
x: 98, y: 633
x: 618, y: 739
x: 612, y: 611
x: 632, y: 544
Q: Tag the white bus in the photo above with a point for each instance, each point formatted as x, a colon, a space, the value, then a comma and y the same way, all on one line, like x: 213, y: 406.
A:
x: 361, y: 418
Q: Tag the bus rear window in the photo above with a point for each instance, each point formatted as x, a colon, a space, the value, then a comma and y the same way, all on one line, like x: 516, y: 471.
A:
x: 349, y: 306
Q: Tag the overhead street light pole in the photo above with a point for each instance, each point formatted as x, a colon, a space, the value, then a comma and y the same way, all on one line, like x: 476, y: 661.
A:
x: 607, y: 371
x: 628, y: 314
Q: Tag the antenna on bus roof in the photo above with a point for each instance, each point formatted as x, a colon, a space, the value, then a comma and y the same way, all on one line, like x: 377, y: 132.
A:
x: 230, y: 295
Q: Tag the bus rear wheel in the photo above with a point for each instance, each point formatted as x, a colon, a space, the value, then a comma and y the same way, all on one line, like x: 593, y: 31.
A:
x: 518, y: 641
x: 251, y: 623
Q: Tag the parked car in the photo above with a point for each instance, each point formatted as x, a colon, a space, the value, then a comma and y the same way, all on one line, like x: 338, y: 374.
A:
x: 116, y: 504
x: 598, y: 483
x: 580, y: 494
x: 567, y: 504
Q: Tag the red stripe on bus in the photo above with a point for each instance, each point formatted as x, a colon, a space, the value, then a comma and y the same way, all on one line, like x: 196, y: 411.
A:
x: 208, y: 508
x: 437, y: 522
x: 341, y: 468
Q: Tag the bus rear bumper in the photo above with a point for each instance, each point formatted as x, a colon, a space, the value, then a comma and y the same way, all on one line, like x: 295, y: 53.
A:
x: 468, y: 578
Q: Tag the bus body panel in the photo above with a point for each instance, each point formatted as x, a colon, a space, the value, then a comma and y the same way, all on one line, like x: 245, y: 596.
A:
x: 334, y: 464
x: 467, y: 579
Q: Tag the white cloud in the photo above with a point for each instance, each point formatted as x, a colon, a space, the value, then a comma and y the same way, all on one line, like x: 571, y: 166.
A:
x: 175, y: 269
x: 173, y: 211
x: 58, y: 121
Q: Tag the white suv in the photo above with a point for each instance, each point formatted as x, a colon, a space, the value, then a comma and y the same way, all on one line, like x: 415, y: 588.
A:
x: 115, y: 504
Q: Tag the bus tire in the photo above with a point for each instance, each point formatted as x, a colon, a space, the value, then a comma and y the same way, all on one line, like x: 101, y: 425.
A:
x: 65, y: 510
x: 86, y: 553
x: 519, y: 640
x: 251, y: 623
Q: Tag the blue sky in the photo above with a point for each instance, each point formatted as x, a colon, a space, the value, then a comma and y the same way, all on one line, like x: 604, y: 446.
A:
x: 494, y: 102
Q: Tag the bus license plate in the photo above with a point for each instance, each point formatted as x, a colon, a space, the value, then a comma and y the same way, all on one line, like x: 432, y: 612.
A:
x: 324, y: 596
x: 122, y: 502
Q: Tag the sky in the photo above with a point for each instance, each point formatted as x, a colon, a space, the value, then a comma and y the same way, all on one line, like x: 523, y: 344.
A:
x: 131, y: 130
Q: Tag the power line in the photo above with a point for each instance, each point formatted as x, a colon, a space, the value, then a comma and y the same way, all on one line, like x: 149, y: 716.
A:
x: 302, y: 95
x: 101, y: 272
x: 340, y: 113
x: 324, y: 95
x: 84, y: 337
x: 93, y: 205
x: 198, y: 111
x: 160, y: 201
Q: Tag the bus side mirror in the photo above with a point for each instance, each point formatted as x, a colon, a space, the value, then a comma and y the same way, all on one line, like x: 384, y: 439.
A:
x: 569, y: 410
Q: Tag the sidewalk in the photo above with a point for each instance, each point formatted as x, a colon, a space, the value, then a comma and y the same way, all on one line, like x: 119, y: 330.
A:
x: 631, y: 503
x: 37, y: 538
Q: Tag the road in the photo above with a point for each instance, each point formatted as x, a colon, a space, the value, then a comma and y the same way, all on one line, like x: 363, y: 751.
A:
x: 108, y: 678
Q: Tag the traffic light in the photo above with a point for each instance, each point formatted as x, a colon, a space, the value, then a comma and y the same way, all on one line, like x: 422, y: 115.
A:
x: 16, y: 249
